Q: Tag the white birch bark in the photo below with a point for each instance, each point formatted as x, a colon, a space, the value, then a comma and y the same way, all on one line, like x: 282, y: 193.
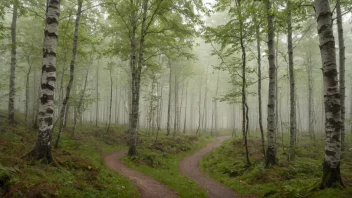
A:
x: 42, y: 149
x: 331, y: 165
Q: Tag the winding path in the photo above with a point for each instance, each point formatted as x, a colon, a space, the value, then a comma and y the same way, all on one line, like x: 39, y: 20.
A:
x: 189, y: 166
x: 148, y: 188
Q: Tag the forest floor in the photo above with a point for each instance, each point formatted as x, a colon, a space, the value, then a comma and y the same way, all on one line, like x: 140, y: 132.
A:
x: 149, y: 188
x: 189, y: 166
x: 227, y: 165
x: 161, y: 162
x: 78, y: 169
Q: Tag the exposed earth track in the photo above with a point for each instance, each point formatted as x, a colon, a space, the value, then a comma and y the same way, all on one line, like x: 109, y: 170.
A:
x: 189, y: 166
x: 147, y: 187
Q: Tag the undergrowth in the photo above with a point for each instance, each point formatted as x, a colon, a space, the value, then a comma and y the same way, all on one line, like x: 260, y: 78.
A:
x: 227, y: 165
x: 77, y: 171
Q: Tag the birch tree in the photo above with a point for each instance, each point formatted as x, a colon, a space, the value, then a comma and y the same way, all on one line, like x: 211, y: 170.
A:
x: 331, y: 165
x: 42, y: 149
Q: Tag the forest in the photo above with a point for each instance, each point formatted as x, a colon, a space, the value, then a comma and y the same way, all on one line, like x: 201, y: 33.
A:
x: 184, y: 98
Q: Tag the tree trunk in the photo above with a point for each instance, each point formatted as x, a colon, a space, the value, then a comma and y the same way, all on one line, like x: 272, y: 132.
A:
x: 136, y: 77
x: 331, y: 165
x: 159, y: 113
x: 97, y: 98
x: 291, y: 155
x: 80, y: 102
x: 199, y: 110
x: 341, y: 70
x: 260, y: 110
x: 271, y: 149
x: 234, y: 121
x: 42, y: 149
x: 117, y: 104
x: 176, y: 104
x: 245, y: 121
x: 311, y: 118
x: 168, y: 127
x: 205, y: 119
x: 110, y: 107
x: 72, y: 68
x: 27, y: 88
x: 11, y: 105
x: 186, y: 105
x: 191, y: 119
x: 67, y: 113
x: 180, y: 108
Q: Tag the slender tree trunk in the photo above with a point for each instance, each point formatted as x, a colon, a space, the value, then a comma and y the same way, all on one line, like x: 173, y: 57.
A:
x: 351, y: 110
x: 311, y: 118
x: 234, y: 121
x: 341, y: 70
x: 191, y: 120
x: 159, y: 114
x: 67, y: 113
x: 331, y: 165
x: 80, y: 102
x: 168, y: 127
x: 180, y: 109
x: 199, y: 110
x: 260, y: 108
x: 72, y: 68
x: 205, y: 119
x: 176, y: 104
x: 136, y: 78
x: 271, y: 149
x: 186, y: 105
x: 216, y: 106
x: 291, y: 155
x: 244, y: 86
x: 97, y: 98
x: 11, y: 105
x: 42, y: 149
x: 110, y: 107
x: 27, y: 88
x: 117, y: 104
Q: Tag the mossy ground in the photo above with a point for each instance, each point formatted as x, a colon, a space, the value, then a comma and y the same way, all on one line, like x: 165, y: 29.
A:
x: 161, y: 162
x: 227, y: 165
x: 77, y: 171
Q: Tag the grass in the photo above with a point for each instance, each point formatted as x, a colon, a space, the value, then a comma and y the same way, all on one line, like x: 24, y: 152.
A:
x: 161, y: 162
x: 78, y: 170
x: 227, y: 165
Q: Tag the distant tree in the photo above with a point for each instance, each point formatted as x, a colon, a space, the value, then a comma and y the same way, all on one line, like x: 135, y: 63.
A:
x: 64, y: 107
x: 341, y: 70
x: 12, y: 89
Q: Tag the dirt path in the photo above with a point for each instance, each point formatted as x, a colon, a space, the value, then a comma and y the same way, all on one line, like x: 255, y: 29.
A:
x: 189, y: 167
x: 148, y: 188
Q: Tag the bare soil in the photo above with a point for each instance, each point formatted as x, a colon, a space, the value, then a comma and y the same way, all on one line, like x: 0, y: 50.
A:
x: 189, y: 166
x: 147, y: 187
